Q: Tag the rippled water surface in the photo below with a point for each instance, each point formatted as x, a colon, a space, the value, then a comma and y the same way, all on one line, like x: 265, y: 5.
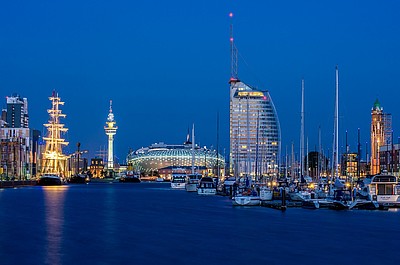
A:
x: 148, y: 223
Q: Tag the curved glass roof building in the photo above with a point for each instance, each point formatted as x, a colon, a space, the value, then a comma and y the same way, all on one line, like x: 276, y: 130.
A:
x: 160, y: 155
x: 255, y: 137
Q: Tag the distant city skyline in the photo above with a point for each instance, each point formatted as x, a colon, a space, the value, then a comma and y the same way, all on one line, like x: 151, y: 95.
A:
x: 166, y: 66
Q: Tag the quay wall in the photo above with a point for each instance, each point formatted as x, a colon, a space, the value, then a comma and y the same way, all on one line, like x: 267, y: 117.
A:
x: 17, y: 183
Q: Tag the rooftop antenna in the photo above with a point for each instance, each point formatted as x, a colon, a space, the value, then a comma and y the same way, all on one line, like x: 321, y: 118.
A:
x: 234, y: 54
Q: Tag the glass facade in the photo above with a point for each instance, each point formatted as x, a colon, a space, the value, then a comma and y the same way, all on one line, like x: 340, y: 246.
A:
x: 255, y: 139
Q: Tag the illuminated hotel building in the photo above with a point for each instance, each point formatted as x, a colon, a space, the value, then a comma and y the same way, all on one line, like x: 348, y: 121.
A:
x: 381, y: 134
x: 254, y: 131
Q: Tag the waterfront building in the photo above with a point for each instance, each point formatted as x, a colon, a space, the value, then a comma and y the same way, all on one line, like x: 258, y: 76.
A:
x: 36, y: 144
x: 17, y: 112
x: 389, y: 159
x: 53, y: 160
x: 381, y: 134
x: 96, y: 167
x: 111, y: 130
x: 160, y: 159
x: 254, y: 131
x: 349, y: 166
x: 317, y: 164
x: 15, y: 143
x: 255, y: 138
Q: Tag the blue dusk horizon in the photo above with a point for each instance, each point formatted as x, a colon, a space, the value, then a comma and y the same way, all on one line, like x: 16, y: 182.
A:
x: 166, y: 66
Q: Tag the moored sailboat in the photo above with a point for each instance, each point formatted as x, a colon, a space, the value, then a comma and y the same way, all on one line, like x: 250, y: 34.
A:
x: 193, y: 179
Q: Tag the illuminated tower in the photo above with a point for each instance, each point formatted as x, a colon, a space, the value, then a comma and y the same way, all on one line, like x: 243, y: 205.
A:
x: 254, y: 126
x: 381, y: 130
x: 111, y: 130
x: 53, y: 160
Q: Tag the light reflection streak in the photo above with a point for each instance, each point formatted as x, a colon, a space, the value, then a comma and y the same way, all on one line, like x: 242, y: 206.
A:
x: 54, y: 214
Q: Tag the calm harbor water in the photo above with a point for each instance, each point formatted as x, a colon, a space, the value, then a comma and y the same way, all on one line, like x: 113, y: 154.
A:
x: 148, y: 223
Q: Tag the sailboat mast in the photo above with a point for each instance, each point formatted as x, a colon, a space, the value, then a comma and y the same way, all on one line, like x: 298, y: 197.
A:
x: 302, y: 131
x: 218, y: 165
x: 256, y: 164
x: 319, y: 153
x: 358, y: 154
x: 248, y: 169
x: 335, y: 158
x: 286, y: 163
x: 337, y: 124
x: 193, y: 146
x: 307, y: 166
x: 292, y: 173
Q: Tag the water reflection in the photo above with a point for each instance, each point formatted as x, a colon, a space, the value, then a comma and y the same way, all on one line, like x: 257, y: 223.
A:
x: 110, y: 216
x: 54, y: 214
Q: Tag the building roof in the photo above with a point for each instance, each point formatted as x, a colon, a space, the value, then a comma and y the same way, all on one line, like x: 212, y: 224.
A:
x: 377, y: 105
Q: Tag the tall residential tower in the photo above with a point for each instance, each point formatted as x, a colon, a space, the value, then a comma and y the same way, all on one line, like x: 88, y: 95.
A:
x: 15, y: 140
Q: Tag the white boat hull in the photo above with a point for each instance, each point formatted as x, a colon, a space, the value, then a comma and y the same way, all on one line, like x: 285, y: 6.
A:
x: 266, y: 195
x: 364, y: 204
x: 178, y: 185
x: 388, y: 200
x: 310, y: 204
x: 206, y: 191
x: 246, y: 201
x: 300, y: 196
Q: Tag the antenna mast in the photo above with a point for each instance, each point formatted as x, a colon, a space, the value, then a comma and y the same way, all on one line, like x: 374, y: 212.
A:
x: 234, y: 54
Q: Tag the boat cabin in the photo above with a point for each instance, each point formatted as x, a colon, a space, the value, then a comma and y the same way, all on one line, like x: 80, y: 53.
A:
x: 385, y: 189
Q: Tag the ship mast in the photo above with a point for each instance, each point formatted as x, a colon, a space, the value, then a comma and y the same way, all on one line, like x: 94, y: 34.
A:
x: 335, y: 165
x: 54, y: 161
x: 193, y: 146
x: 302, y: 132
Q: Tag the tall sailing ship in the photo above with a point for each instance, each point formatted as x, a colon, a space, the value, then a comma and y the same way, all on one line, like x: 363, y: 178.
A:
x: 54, y: 162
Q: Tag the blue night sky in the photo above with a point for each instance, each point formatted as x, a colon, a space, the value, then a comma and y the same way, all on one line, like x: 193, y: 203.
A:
x: 166, y: 65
